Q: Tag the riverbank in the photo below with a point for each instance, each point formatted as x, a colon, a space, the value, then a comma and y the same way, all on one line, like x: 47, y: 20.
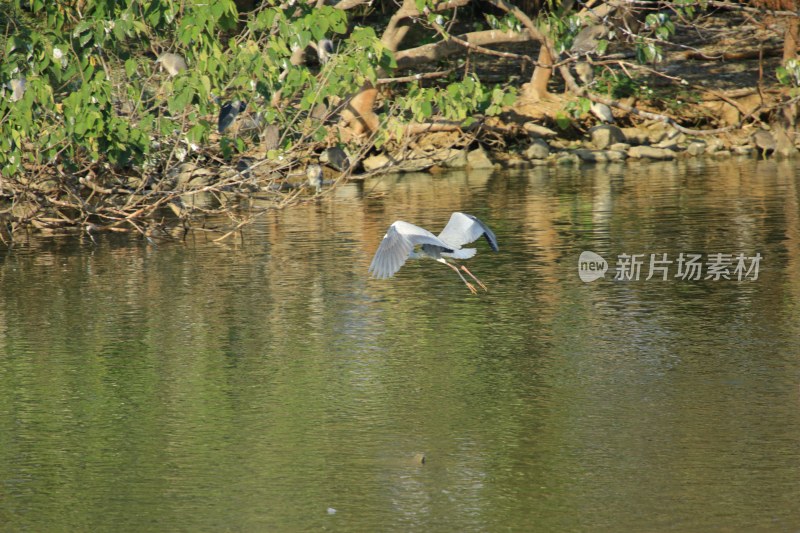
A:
x: 189, y: 193
x: 535, y: 145
x: 712, y: 91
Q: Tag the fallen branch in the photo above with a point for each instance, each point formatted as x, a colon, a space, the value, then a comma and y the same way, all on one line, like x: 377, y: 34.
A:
x: 772, y: 51
x: 476, y: 40
x: 415, y: 77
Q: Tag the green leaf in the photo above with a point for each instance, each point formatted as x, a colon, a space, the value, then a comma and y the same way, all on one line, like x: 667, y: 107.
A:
x: 320, y: 134
x: 426, y: 108
x: 563, y: 121
x: 339, y: 25
x: 130, y: 67
x: 15, y: 43
x: 197, y: 133
x: 85, y: 38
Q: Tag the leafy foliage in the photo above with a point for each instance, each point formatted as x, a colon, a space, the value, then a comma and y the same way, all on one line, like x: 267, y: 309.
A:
x: 789, y: 75
x: 457, y: 101
x: 95, y: 95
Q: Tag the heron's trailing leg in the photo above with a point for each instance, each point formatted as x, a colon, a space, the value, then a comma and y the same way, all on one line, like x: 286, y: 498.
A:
x: 473, y: 277
x: 469, y: 285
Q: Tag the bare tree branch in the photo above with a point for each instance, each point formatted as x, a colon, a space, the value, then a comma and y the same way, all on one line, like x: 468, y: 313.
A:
x: 350, y: 4
x: 415, y: 77
x: 476, y: 40
x: 397, y: 27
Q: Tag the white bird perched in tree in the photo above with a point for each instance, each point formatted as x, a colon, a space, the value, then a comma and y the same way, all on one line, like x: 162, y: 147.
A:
x: 17, y: 86
x: 325, y: 50
x: 405, y: 241
x: 172, y: 63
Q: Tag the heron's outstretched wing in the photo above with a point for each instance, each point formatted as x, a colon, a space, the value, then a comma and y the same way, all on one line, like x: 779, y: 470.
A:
x: 463, y: 229
x: 397, y: 244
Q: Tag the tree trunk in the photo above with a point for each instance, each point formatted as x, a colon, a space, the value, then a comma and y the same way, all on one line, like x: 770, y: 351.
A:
x: 359, y: 114
x: 790, y: 52
x: 537, y: 88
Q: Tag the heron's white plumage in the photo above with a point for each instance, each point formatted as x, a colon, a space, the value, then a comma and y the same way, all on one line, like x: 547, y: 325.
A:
x: 401, y: 238
x: 464, y: 253
x: 397, y: 245
x: 463, y: 229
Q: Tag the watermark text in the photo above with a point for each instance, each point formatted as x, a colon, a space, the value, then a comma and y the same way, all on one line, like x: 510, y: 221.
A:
x: 660, y: 266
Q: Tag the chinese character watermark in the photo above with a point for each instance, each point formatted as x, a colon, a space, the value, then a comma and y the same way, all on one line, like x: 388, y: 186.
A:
x: 686, y: 267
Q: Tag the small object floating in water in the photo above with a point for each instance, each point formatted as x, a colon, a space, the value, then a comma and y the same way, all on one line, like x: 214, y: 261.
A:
x: 331, y: 510
x: 419, y: 458
x: 402, y: 238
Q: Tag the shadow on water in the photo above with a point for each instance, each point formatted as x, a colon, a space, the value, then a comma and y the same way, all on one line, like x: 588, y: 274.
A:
x: 268, y: 384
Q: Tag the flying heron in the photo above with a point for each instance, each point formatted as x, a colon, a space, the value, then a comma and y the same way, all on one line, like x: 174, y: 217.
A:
x: 402, y: 239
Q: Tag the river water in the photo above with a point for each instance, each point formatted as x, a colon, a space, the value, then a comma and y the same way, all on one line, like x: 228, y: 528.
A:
x: 265, y: 383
